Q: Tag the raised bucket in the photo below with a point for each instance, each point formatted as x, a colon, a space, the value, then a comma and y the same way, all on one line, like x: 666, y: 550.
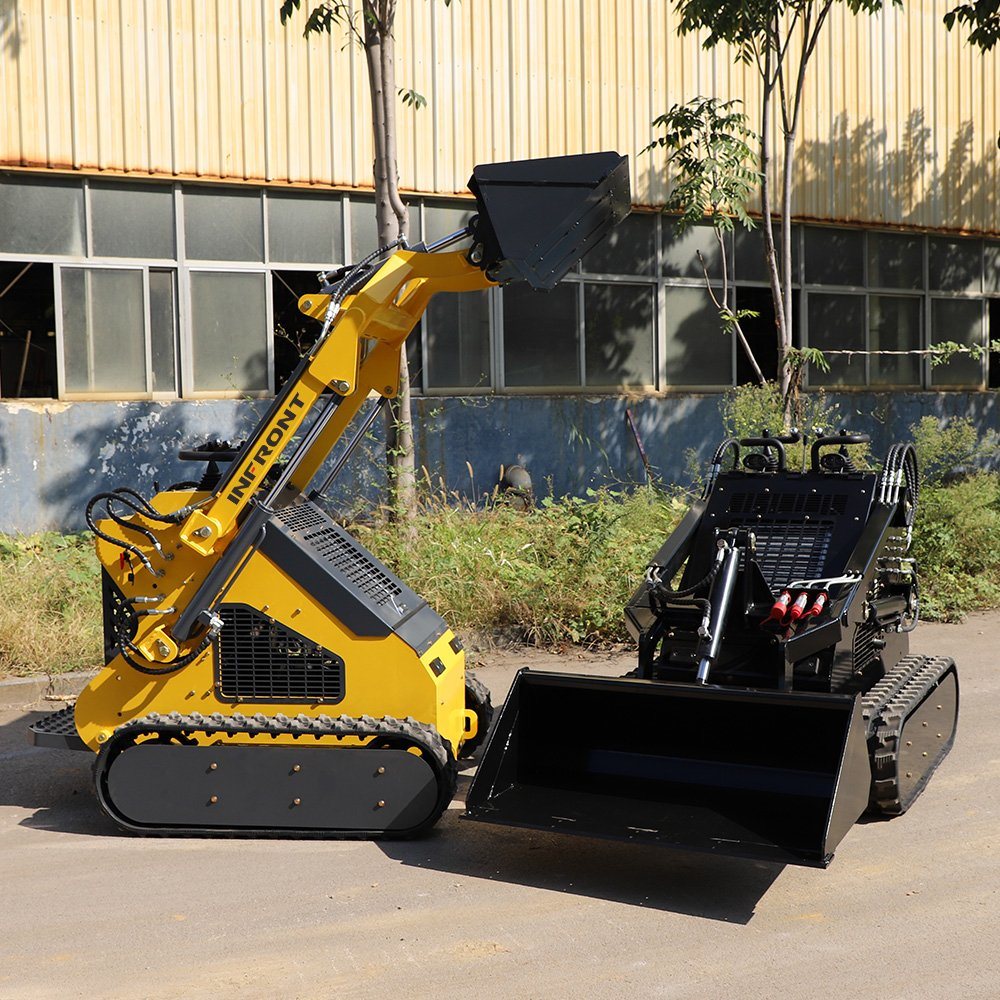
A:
x: 759, y: 774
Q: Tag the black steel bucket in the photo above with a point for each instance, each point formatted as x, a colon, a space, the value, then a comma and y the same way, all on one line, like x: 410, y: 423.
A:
x: 760, y: 774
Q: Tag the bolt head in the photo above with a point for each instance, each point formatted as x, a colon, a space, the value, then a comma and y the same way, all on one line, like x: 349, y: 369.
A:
x: 296, y: 802
x: 380, y: 804
x: 213, y: 799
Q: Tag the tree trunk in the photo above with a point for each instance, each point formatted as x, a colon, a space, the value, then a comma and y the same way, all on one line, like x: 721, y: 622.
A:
x: 789, y: 385
x: 392, y: 220
x: 770, y: 253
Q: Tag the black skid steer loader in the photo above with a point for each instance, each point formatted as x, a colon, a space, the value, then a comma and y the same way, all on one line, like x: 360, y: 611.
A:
x: 774, y: 699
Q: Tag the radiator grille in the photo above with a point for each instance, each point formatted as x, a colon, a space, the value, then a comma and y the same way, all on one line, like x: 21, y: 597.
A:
x: 790, y: 550
x: 260, y: 660
x: 787, y: 504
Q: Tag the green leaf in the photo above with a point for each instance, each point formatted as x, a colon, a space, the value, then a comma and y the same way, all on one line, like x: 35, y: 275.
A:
x: 413, y: 99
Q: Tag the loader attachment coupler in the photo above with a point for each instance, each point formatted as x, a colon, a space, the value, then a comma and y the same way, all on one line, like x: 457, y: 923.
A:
x: 756, y: 774
x: 537, y: 218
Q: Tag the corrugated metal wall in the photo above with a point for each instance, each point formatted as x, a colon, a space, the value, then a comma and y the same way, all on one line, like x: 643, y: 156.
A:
x: 899, y: 126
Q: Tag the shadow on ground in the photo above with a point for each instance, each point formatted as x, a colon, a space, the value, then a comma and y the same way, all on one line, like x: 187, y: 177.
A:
x: 715, y: 888
x: 56, y: 784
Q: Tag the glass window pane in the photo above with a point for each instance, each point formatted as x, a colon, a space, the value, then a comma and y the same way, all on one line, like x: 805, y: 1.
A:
x: 132, y: 220
x: 954, y: 265
x: 540, y: 343
x: 894, y: 325
x: 41, y: 216
x: 618, y: 320
x: 305, y: 228
x: 834, y: 256
x: 991, y: 277
x: 364, y: 232
x: 104, y: 343
x: 223, y: 224
x: 837, y: 323
x: 680, y: 250
x: 442, y: 218
x: 748, y: 252
x: 630, y: 248
x: 895, y: 260
x: 698, y: 352
x: 163, y: 329
x: 960, y: 320
x: 229, y: 331
x: 458, y: 341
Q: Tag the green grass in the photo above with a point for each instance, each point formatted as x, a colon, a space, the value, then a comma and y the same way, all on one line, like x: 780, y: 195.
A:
x: 50, y: 604
x: 557, y: 575
x: 561, y: 573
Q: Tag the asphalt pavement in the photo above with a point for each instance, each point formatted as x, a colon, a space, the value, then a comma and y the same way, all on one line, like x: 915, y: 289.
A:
x: 910, y: 908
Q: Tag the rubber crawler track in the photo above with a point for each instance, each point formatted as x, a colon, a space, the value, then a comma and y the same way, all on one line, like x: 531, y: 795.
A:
x: 886, y: 708
x: 433, y: 748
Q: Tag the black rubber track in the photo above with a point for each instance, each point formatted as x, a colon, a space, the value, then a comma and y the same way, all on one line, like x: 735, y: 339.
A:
x: 175, y: 728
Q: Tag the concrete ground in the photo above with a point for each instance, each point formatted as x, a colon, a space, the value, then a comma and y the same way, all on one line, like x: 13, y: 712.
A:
x: 909, y: 908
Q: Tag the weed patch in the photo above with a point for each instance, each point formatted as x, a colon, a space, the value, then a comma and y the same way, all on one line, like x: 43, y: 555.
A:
x: 559, y: 574
x: 50, y: 604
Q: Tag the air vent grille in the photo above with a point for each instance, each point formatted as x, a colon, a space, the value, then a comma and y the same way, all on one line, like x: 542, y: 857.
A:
x: 788, y: 504
x: 334, y: 546
x: 864, y: 651
x: 260, y: 660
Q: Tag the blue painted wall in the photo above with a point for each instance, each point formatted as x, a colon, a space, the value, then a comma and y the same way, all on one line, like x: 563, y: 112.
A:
x: 54, y: 456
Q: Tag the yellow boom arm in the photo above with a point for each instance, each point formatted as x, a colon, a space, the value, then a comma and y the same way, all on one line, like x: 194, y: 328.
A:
x: 383, y: 312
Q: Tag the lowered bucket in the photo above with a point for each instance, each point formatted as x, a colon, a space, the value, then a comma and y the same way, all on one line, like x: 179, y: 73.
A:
x: 775, y: 776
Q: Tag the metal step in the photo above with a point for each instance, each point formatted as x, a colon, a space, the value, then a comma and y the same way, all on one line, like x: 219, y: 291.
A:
x: 57, y: 731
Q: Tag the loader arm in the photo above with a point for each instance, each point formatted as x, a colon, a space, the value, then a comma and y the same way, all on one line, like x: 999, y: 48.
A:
x: 535, y: 220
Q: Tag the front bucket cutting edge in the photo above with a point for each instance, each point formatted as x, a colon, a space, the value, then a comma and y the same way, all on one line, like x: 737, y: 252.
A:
x: 762, y: 774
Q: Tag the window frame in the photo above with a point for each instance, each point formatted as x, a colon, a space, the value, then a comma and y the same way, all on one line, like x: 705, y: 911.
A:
x: 360, y: 200
x: 107, y: 265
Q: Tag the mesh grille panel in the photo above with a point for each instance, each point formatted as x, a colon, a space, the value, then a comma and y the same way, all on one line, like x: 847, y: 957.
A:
x: 302, y: 517
x: 259, y: 660
x: 788, y: 503
x: 864, y: 651
x: 340, y: 551
x: 790, y: 550
x: 334, y: 546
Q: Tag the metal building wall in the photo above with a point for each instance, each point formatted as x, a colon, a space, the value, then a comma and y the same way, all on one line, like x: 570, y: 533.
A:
x: 899, y: 125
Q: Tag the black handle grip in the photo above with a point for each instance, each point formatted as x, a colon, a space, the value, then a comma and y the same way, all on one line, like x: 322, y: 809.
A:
x: 776, y: 442
x: 832, y: 441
